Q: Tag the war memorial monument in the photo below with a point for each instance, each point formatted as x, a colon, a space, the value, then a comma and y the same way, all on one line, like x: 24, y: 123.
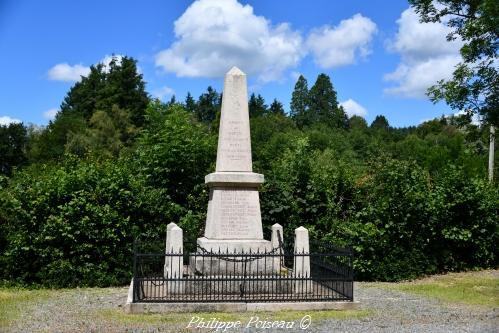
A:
x: 234, y: 268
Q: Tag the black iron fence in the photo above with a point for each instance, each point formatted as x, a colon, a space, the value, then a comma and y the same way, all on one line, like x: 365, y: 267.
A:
x: 278, y: 275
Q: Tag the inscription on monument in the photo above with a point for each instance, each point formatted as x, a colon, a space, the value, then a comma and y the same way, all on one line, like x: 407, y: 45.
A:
x: 236, y: 144
x: 238, y: 210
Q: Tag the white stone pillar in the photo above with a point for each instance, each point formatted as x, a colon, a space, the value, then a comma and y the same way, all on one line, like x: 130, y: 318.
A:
x: 301, y: 267
x: 278, y: 259
x: 174, y: 263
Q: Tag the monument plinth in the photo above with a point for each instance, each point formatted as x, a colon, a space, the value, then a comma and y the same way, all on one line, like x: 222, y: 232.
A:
x: 234, y: 220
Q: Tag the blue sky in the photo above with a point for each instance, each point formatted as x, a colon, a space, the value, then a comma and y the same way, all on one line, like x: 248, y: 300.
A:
x: 379, y: 57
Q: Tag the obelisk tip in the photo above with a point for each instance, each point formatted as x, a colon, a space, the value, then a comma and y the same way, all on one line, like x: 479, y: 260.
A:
x: 234, y: 71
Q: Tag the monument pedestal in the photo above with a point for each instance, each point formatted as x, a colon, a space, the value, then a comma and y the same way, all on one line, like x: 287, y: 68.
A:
x: 233, y: 221
x: 234, y: 245
x: 233, y: 257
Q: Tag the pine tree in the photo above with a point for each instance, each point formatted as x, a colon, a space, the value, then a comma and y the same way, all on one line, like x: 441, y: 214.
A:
x: 190, y: 103
x: 82, y: 98
x: 299, y: 102
x: 380, y: 122
x: 13, y: 141
x: 208, y: 105
x: 257, y: 106
x: 172, y: 101
x: 323, y: 104
x: 276, y: 108
x: 106, y: 87
x: 357, y: 122
x: 125, y: 88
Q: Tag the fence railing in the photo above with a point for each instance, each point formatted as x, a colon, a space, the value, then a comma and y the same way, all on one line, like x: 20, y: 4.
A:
x: 323, y: 274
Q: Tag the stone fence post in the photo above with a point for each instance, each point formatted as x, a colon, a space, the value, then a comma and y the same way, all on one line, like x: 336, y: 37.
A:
x: 301, y: 267
x: 278, y: 257
x: 174, y: 259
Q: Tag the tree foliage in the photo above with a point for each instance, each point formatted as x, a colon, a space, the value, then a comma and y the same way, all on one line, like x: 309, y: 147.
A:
x: 257, y: 106
x: 475, y: 83
x: 13, y: 142
x: 111, y: 100
x: 299, y: 102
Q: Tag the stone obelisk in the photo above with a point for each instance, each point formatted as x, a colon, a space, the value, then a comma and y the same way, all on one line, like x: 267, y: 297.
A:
x: 234, y: 221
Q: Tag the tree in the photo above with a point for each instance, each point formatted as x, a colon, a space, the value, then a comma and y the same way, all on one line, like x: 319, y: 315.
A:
x: 190, y: 103
x: 474, y: 85
x: 357, y: 122
x: 172, y: 101
x: 257, y: 106
x: 125, y: 88
x: 276, y: 108
x: 118, y: 85
x: 299, y: 102
x: 82, y: 98
x: 323, y: 104
x: 380, y: 122
x: 107, y: 134
x: 50, y: 143
x: 208, y: 106
x: 13, y: 140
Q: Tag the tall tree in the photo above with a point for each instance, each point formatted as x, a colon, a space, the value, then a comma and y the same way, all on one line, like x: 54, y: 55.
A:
x: 190, y: 103
x: 117, y: 85
x: 380, y: 122
x: 107, y: 134
x: 299, y: 101
x: 323, y: 104
x: 257, y: 106
x: 124, y: 88
x: 357, y: 122
x: 13, y: 140
x: 172, y: 101
x: 276, y: 108
x: 209, y: 104
x: 474, y: 85
x: 82, y: 98
x: 50, y: 143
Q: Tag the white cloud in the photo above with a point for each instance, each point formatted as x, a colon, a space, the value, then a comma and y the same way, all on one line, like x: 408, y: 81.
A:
x: 476, y: 119
x: 343, y: 44
x: 214, y: 35
x: 353, y: 108
x: 427, y: 56
x: 6, y: 120
x: 50, y: 114
x: 163, y: 92
x: 73, y: 73
x: 68, y: 73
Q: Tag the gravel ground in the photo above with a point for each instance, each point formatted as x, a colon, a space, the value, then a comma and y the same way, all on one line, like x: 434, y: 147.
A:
x: 390, y: 311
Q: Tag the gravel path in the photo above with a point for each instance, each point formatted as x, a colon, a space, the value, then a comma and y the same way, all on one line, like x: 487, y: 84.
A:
x: 390, y: 311
x: 401, y: 312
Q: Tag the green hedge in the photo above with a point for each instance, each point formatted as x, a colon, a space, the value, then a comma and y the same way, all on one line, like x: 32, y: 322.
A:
x: 73, y: 223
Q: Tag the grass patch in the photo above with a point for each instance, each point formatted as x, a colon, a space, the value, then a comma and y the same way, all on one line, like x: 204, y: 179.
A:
x: 13, y: 302
x: 471, y: 288
x: 184, y: 318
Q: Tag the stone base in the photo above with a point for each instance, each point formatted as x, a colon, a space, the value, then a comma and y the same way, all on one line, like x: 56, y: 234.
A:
x: 233, y: 265
x: 134, y: 308
x: 235, y: 245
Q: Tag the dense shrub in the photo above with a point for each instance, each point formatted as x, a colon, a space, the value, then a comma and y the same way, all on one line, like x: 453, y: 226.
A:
x: 74, y: 223
x: 408, y: 205
x: 401, y: 221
